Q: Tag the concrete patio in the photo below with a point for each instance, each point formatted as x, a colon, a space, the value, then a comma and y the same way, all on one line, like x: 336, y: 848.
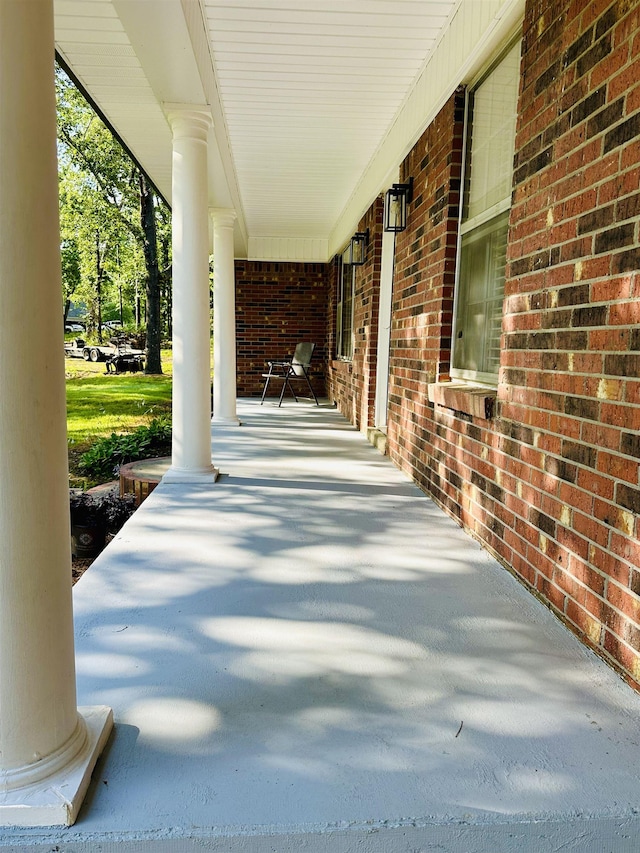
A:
x: 309, y: 655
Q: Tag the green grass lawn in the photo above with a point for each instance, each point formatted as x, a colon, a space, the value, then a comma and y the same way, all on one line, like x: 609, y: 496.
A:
x: 99, y: 403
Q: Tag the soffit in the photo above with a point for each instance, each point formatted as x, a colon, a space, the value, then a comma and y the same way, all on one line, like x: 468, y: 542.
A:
x: 133, y: 56
x: 92, y: 40
x: 308, y: 91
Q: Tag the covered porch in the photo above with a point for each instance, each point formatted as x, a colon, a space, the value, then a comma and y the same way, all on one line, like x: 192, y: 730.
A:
x: 310, y: 655
x: 298, y: 648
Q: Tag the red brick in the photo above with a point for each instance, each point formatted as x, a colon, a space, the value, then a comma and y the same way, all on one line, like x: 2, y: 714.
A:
x: 570, y: 586
x: 626, y: 548
x: 632, y: 393
x: 589, y: 527
x: 628, y: 658
x: 551, y: 592
x: 581, y: 619
x: 610, y: 566
x: 608, y: 289
x: 618, y: 467
x: 278, y: 305
x: 620, y: 415
x: 624, y: 601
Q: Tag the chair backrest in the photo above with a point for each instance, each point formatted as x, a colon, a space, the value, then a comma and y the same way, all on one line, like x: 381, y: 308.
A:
x: 302, y: 358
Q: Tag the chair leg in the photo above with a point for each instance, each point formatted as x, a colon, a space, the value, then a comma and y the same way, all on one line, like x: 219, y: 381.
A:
x: 285, y: 382
x: 313, y: 393
x: 264, y: 390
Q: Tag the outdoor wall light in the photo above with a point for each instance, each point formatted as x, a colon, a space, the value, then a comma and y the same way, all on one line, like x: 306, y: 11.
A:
x: 358, y: 247
x: 395, y: 206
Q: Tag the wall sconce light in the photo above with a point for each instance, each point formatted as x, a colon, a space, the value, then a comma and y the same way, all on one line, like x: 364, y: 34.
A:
x: 395, y: 206
x: 358, y: 248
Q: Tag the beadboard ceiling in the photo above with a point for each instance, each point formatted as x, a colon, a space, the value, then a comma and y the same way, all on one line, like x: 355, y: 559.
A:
x: 303, y: 94
x: 308, y: 90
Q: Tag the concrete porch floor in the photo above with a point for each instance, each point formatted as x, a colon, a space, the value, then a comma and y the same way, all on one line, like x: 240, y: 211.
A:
x: 309, y: 655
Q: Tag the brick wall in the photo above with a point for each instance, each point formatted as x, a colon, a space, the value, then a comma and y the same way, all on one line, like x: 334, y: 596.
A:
x: 352, y: 384
x: 277, y: 306
x: 423, y: 292
x: 551, y: 483
x: 572, y: 349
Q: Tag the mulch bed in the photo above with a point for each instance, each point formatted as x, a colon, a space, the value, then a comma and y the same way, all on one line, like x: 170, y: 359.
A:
x: 79, y: 565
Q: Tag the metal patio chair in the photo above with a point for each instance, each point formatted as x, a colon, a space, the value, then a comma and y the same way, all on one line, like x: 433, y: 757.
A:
x: 291, y: 370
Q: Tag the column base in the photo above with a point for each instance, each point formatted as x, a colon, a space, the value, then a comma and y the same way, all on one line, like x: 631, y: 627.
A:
x: 189, y: 475
x: 56, y: 799
x: 221, y: 420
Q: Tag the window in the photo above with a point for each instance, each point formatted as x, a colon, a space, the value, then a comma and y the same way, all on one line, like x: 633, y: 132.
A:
x: 344, y: 325
x: 490, y: 143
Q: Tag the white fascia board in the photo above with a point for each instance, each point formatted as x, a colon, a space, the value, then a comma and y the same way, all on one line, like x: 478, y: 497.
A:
x: 227, y: 195
x: 476, y: 31
x: 160, y: 40
x: 308, y: 250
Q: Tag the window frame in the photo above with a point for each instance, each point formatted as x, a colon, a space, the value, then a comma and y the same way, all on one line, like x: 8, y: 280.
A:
x: 480, y: 220
x: 344, y: 334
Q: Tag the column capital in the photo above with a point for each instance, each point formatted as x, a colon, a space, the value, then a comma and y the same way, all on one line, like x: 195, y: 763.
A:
x: 189, y: 121
x: 224, y: 217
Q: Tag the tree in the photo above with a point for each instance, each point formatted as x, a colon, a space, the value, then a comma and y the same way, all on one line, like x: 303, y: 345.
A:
x: 115, y: 197
x: 150, y: 246
x: 164, y: 238
x: 71, y: 275
x: 91, y: 240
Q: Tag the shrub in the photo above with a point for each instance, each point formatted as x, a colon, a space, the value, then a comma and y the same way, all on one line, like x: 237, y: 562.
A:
x: 109, y: 510
x: 103, y: 460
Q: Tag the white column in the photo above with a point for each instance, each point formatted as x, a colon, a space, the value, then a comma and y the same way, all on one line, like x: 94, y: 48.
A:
x: 45, y: 743
x: 384, y: 329
x: 224, y: 319
x: 191, y: 450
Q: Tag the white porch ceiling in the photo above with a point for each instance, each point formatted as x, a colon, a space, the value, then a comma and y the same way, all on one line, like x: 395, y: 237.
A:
x: 303, y: 94
x: 308, y: 90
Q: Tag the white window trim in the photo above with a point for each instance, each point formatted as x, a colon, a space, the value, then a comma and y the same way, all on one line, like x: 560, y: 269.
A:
x: 476, y: 378
x: 339, y: 309
x: 485, y: 216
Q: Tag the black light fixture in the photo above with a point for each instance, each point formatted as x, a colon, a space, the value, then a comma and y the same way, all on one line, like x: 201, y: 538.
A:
x: 395, y: 206
x: 358, y: 248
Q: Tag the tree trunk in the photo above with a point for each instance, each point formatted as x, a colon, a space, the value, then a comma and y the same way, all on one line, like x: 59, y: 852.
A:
x: 148, y: 221
x: 99, y: 287
x: 166, y: 284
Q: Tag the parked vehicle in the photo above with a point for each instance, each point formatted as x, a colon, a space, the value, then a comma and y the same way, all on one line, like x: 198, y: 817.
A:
x: 125, y: 359
x: 75, y: 348
x: 118, y: 354
x: 90, y: 352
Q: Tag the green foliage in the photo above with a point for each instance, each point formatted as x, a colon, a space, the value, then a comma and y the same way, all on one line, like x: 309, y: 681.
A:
x: 108, y: 510
x: 107, y: 454
x: 99, y: 404
x: 100, y: 234
x: 105, y: 262
x: 71, y: 270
